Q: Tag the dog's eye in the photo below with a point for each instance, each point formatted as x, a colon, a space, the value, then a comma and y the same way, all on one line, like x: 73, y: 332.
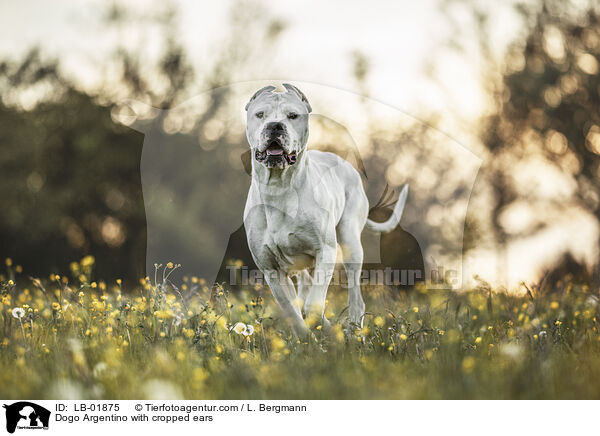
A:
x: 292, y: 115
x: 259, y: 114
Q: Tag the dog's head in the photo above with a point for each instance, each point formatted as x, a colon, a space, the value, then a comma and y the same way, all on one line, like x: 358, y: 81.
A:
x: 277, y: 126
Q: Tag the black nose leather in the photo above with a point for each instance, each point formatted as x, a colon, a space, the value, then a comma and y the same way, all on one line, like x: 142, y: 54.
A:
x: 275, y: 127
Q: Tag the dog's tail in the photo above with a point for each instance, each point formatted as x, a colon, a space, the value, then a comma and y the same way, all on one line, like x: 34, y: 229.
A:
x: 393, y: 221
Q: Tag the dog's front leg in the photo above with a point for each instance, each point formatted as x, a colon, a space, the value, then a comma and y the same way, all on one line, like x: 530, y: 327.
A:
x: 285, y: 294
x: 324, y: 265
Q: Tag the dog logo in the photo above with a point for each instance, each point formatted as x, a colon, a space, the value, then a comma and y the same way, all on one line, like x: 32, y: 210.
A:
x: 26, y: 415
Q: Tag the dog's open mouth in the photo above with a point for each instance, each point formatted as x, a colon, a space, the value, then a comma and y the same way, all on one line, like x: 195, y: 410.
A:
x: 275, y: 156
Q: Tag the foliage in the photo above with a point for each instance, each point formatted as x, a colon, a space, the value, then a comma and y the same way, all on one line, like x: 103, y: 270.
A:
x: 544, y: 132
x: 70, y: 337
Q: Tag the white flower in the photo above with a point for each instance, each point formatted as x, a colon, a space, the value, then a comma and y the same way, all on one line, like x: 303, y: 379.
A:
x: 511, y: 350
x: 99, y: 369
x: 18, y: 312
x: 243, y: 329
x: 240, y: 328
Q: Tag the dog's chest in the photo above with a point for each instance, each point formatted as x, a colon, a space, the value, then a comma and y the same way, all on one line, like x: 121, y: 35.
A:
x: 284, y: 241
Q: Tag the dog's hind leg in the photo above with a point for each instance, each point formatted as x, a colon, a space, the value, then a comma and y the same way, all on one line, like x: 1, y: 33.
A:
x: 352, y: 252
x: 349, y: 230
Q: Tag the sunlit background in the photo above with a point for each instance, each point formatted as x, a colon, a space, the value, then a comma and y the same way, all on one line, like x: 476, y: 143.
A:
x: 514, y: 84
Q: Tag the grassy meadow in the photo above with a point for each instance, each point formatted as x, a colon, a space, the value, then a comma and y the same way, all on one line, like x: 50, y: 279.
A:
x: 71, y: 337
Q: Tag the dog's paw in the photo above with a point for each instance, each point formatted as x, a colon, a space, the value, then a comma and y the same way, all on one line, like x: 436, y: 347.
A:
x: 356, y: 317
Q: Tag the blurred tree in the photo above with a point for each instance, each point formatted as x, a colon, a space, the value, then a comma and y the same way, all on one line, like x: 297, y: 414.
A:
x: 548, y: 116
x: 70, y: 175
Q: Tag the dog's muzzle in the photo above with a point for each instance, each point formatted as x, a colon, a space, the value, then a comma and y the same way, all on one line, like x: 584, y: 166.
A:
x: 274, y: 155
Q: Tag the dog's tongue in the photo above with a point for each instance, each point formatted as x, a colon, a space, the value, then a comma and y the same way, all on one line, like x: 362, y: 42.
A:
x: 274, y: 151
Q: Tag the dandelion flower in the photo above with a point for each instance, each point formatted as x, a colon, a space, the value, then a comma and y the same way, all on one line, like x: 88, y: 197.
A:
x: 468, y: 364
x: 403, y: 337
x: 554, y: 305
x: 87, y: 261
x: 379, y: 321
x: 18, y: 313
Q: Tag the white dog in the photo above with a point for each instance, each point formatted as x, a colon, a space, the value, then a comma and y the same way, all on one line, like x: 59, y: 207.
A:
x: 301, y: 204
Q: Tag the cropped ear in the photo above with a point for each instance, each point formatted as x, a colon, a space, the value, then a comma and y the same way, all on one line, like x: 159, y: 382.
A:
x: 257, y: 93
x: 300, y: 94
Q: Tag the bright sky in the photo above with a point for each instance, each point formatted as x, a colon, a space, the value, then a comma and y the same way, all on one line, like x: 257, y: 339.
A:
x: 400, y: 40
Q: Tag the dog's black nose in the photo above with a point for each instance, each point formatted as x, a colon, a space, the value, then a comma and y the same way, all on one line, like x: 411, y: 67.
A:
x: 275, y: 126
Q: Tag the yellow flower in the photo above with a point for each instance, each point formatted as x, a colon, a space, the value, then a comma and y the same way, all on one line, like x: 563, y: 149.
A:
x: 478, y: 340
x: 170, y: 265
x: 55, y: 306
x: 87, y: 261
x: 403, y: 337
x: 468, y: 364
x: 218, y: 348
x: 554, y: 305
x: 415, y: 309
x: 8, y: 261
x: 379, y: 321
x: 199, y: 375
x: 277, y: 343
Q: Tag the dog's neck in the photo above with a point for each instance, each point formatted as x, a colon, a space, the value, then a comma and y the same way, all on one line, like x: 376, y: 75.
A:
x: 278, y: 180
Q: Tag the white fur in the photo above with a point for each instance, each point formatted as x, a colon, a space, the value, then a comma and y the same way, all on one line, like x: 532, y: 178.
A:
x: 296, y: 214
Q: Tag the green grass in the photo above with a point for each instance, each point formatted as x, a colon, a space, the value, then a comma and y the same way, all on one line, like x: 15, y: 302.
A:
x: 82, y: 339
